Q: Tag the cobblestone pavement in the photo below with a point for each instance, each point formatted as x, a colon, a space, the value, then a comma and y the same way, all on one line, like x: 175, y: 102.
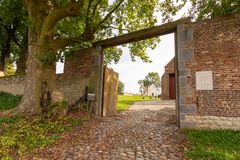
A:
x: 146, y: 131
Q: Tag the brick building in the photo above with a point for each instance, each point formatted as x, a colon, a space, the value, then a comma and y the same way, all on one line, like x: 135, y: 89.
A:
x: 168, y: 81
x: 209, y: 73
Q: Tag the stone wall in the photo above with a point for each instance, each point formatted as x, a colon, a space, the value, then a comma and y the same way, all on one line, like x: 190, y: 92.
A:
x: 210, y: 45
x: 73, y: 87
x: 169, y: 69
x: 12, y: 84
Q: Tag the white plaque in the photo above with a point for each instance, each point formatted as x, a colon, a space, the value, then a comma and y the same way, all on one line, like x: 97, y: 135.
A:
x: 204, y: 80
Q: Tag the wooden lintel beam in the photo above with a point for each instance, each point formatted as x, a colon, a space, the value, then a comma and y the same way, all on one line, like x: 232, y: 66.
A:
x: 142, y: 34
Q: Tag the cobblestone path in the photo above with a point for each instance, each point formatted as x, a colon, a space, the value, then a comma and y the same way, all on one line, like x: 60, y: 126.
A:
x: 146, y: 131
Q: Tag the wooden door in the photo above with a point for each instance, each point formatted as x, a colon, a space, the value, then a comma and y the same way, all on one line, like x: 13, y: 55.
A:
x: 172, y: 87
x: 110, y: 92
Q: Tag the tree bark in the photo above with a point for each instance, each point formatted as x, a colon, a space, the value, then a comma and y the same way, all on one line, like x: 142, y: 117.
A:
x: 22, y: 60
x: 5, y: 54
x: 38, y: 75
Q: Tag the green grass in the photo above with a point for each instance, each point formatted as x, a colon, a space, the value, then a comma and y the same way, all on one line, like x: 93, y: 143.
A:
x: 124, y: 102
x: 8, y: 101
x: 213, y: 145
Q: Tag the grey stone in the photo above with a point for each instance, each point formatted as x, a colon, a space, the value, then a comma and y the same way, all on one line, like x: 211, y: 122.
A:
x: 182, y: 100
x: 183, y: 72
x: 182, y: 116
x: 187, y: 124
x: 185, y: 54
x: 181, y: 65
x: 188, y: 109
x: 185, y: 35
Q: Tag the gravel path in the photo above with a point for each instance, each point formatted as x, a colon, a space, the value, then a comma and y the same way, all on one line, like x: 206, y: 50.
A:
x: 146, y: 131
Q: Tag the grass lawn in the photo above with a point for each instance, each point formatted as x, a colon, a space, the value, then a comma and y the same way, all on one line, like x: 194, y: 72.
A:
x: 213, y: 145
x: 8, y: 101
x: 124, y: 102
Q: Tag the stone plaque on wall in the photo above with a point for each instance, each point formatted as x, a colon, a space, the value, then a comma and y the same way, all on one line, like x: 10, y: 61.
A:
x: 204, y: 80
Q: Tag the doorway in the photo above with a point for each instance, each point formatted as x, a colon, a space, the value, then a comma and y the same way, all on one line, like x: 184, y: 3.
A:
x: 172, y: 86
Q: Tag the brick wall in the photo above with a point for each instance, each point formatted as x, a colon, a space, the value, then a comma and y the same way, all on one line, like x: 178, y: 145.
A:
x: 79, y: 63
x: 169, y: 69
x: 210, y: 45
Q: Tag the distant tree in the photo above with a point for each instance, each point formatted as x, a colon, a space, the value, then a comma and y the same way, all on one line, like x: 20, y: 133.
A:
x: 153, y: 79
x: 144, y: 85
x: 120, y: 87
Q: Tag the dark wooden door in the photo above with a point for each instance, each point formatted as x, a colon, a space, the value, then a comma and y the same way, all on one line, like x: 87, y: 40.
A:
x: 172, y: 87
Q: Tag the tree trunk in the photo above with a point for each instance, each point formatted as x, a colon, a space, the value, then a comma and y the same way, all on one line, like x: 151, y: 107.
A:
x: 2, y: 63
x: 5, y: 54
x: 39, y: 78
x: 38, y: 75
x: 22, y: 60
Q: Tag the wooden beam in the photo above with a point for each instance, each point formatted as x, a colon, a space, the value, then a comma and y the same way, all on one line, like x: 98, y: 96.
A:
x: 142, y: 34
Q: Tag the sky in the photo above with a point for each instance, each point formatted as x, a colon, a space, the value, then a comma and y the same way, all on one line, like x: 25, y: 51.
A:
x: 131, y: 72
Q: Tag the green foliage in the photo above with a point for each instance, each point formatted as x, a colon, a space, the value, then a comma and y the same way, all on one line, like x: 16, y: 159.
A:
x: 120, y: 87
x: 13, y: 29
x: 219, y: 144
x: 153, y: 79
x: 106, y: 19
x: 214, y: 8
x: 112, y: 54
x: 8, y: 101
x: 124, y: 102
x: 20, y: 134
x: 57, y: 109
x: 10, y: 70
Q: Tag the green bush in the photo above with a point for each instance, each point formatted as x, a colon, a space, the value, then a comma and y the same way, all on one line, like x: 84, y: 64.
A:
x: 8, y: 101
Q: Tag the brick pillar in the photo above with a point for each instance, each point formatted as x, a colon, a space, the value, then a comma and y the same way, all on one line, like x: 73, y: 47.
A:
x: 185, y: 53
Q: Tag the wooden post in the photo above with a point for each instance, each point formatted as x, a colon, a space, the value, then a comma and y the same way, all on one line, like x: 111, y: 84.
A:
x: 176, y: 78
x: 96, y: 79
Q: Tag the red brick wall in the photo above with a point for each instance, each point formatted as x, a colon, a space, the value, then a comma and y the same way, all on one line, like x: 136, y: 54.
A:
x: 216, y: 46
x: 79, y: 64
x: 169, y: 69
